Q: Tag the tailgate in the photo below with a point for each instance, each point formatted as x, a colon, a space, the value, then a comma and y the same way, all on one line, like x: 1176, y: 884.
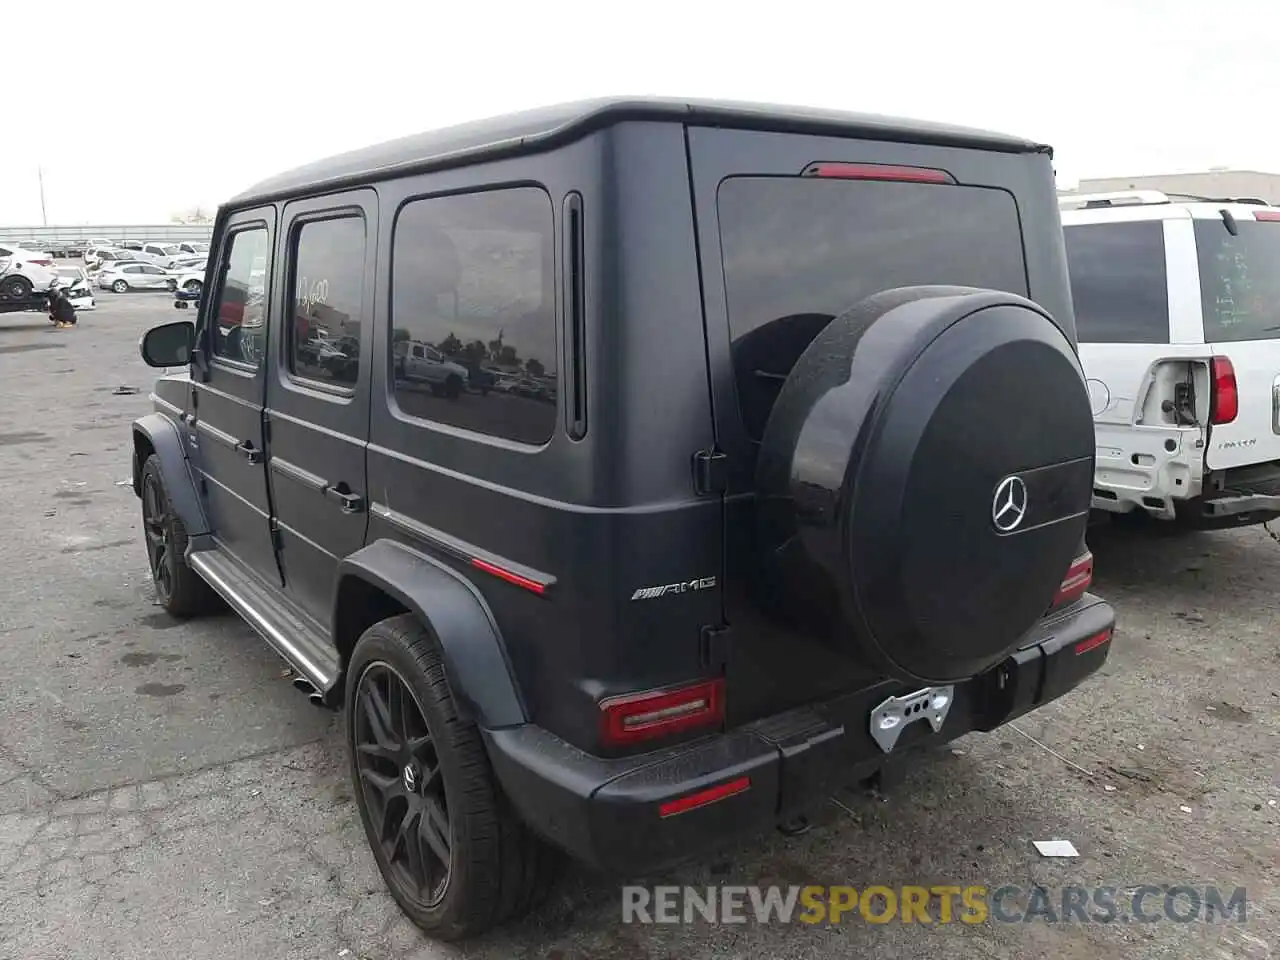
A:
x: 1254, y: 435
x: 1240, y: 301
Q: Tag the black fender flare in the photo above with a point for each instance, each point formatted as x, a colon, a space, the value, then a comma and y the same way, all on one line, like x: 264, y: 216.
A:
x: 163, y: 436
x: 475, y: 658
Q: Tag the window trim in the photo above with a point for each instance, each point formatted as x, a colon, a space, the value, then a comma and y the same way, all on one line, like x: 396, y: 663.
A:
x: 210, y: 312
x: 328, y: 391
x: 393, y: 404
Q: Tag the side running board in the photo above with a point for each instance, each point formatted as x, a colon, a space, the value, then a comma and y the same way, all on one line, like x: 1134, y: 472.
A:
x: 293, y: 635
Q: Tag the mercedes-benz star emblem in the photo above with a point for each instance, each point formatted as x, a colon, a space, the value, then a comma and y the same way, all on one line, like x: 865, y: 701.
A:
x: 1009, y: 506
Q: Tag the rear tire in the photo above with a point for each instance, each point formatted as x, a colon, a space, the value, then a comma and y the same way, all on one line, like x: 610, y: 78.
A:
x: 180, y: 590
x: 191, y: 286
x: 496, y: 867
x: 119, y: 287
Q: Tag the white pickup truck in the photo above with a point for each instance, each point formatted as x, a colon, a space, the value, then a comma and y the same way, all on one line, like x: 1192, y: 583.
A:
x: 422, y: 363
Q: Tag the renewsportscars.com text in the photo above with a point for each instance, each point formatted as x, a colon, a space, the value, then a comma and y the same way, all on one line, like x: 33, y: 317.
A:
x: 942, y: 904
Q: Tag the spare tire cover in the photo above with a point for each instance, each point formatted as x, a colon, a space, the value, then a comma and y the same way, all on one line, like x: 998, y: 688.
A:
x: 925, y: 478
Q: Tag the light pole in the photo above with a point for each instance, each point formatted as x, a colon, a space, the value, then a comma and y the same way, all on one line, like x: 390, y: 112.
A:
x: 44, y: 217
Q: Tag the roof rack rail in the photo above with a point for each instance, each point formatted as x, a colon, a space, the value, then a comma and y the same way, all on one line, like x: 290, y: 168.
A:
x: 1123, y: 198
x: 1251, y: 201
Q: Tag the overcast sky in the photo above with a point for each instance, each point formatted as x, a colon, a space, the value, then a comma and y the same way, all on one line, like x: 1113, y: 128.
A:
x: 154, y: 108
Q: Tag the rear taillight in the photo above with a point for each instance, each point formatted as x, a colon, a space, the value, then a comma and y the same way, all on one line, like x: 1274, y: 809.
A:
x: 1224, y: 402
x: 43, y: 263
x: 1266, y: 215
x: 1076, y: 582
x: 877, y: 171
x: 634, y: 717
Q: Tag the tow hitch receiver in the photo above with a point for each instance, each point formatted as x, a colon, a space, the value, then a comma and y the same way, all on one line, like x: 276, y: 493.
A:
x: 890, y: 718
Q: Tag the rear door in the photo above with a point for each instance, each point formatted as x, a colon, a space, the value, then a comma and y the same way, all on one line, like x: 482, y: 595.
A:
x: 782, y: 254
x: 318, y: 400
x: 1240, y: 299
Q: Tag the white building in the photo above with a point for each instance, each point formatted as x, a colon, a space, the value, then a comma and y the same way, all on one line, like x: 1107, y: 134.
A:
x: 1217, y: 183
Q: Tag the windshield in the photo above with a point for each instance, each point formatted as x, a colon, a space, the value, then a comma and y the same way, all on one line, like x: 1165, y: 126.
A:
x: 1239, y: 280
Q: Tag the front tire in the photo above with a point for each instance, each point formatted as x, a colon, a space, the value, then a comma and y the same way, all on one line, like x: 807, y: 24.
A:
x: 17, y: 288
x: 179, y: 589
x: 445, y: 839
x: 191, y: 286
x: 119, y: 287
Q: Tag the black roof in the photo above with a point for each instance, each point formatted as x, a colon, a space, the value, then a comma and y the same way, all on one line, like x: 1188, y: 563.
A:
x: 532, y: 130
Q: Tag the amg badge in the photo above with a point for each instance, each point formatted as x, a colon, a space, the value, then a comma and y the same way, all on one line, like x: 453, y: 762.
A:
x: 649, y: 593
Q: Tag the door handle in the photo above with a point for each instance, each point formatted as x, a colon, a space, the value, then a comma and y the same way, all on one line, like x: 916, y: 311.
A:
x: 251, y: 453
x: 350, y: 502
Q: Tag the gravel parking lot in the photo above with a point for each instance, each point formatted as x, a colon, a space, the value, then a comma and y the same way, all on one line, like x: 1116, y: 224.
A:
x: 164, y: 792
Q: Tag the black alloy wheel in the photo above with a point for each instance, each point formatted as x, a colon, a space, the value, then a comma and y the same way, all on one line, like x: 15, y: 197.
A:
x: 402, y: 784
x: 155, y: 525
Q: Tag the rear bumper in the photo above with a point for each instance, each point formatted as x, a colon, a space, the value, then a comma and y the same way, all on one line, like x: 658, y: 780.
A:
x: 606, y: 812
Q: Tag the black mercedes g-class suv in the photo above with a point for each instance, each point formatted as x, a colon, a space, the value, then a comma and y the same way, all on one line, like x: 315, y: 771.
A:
x: 779, y: 467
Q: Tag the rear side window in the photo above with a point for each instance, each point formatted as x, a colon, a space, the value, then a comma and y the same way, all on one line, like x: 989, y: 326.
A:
x: 800, y: 251
x: 1239, y: 280
x: 328, y: 300
x: 473, y: 313
x: 1119, y: 283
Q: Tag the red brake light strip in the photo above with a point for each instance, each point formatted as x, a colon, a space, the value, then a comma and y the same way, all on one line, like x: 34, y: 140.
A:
x: 704, y: 797
x: 878, y: 171
x: 1084, y: 646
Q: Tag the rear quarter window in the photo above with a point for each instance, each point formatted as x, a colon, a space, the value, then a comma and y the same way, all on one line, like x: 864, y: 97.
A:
x: 798, y: 252
x: 1119, y: 283
x: 1239, y: 280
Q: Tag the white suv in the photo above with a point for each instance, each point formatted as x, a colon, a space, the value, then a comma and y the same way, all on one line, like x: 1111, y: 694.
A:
x: 1177, y: 303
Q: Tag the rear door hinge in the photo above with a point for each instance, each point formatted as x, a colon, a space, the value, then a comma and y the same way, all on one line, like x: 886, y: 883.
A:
x: 715, y: 647
x: 276, y: 541
x: 710, y: 472
x: 266, y: 428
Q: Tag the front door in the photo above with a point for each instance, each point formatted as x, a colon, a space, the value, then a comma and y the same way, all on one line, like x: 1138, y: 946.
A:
x: 318, y: 390
x: 228, y: 400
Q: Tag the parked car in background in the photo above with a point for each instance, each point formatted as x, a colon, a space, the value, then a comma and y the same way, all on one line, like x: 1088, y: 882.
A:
x: 24, y: 272
x: 135, y: 275
x: 1177, y: 305
x: 107, y: 258
x: 75, y: 281
x: 190, y: 279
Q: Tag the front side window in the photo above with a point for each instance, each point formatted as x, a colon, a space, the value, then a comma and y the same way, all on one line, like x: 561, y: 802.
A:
x: 238, y: 316
x: 328, y: 301
x: 1119, y: 282
x: 799, y: 251
x: 473, y: 295
x: 1239, y: 280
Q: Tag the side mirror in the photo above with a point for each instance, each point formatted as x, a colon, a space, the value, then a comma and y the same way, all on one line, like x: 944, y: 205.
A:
x: 168, y: 345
